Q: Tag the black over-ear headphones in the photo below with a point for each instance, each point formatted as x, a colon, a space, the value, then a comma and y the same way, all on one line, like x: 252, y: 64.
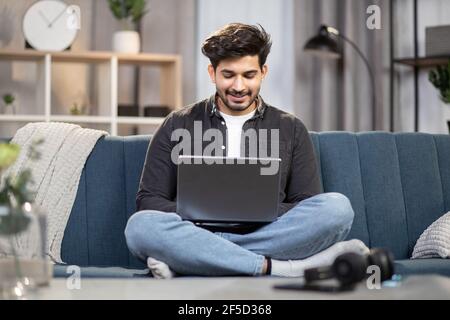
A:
x: 350, y: 268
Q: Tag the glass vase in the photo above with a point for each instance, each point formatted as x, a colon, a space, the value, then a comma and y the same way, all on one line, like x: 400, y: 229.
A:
x: 26, y: 266
x: 9, y: 108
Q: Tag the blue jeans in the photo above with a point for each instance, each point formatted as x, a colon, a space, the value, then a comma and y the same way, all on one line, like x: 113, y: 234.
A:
x: 311, y: 226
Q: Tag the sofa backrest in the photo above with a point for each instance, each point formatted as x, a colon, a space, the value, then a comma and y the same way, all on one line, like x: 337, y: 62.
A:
x: 397, y: 183
x: 94, y: 234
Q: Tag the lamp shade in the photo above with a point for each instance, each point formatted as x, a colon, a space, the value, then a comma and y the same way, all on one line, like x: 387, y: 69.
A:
x: 323, y: 45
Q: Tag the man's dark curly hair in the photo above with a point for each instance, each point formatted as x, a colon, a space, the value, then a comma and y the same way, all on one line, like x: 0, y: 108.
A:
x: 237, y: 40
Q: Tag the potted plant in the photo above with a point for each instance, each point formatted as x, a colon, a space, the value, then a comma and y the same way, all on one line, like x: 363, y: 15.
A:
x: 440, y: 78
x: 129, y: 13
x: 77, y: 110
x: 13, y: 192
x: 16, y: 217
x: 8, y: 103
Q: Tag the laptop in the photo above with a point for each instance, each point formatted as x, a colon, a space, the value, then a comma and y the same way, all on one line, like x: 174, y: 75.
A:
x: 228, y: 190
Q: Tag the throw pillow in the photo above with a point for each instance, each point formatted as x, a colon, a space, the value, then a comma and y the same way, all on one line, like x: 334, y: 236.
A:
x: 435, y: 240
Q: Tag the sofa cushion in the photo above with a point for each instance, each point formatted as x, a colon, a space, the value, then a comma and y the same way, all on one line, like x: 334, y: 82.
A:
x: 135, y: 149
x: 340, y: 168
x: 61, y: 271
x: 382, y: 190
x: 420, y: 170
x: 397, y: 183
x: 94, y: 232
x: 402, y: 267
x: 435, y: 240
x: 106, y: 198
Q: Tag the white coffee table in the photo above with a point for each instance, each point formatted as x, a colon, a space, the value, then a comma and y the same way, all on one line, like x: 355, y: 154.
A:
x: 234, y: 288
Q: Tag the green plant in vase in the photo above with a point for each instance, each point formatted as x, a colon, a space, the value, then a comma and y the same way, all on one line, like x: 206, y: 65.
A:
x: 76, y: 110
x: 128, y: 13
x: 8, y: 101
x: 440, y: 78
x: 15, y: 197
x: 11, y: 193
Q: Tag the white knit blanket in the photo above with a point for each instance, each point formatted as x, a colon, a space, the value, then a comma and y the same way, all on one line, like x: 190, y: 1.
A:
x: 56, y: 177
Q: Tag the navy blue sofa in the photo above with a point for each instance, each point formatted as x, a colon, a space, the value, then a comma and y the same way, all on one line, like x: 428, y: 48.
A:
x: 397, y: 183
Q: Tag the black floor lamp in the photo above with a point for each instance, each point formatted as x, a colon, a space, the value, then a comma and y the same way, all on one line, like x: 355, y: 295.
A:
x: 324, y: 45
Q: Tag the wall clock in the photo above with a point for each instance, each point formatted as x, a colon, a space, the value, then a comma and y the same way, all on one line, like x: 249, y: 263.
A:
x: 47, y: 27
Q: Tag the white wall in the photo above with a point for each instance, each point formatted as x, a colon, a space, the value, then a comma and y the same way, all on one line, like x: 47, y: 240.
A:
x: 433, y: 114
x: 180, y: 26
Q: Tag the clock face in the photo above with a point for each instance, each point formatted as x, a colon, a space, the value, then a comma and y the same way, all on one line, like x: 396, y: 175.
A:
x: 46, y: 26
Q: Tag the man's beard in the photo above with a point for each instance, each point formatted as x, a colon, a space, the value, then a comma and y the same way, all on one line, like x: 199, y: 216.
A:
x: 237, y: 107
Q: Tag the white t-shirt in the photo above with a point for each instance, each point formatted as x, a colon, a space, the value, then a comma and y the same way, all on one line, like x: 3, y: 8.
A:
x: 234, y: 131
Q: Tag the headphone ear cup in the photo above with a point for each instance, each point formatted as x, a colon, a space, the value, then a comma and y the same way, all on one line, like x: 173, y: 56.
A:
x: 350, y: 268
x: 385, y: 260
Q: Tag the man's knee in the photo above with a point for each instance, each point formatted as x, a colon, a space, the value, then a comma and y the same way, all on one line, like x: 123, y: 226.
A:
x: 340, y: 209
x: 145, y: 227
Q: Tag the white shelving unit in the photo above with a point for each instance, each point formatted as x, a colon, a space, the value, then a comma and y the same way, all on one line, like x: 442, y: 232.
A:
x: 170, y: 85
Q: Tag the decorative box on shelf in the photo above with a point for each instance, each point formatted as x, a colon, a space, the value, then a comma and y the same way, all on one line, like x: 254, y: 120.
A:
x: 437, y: 41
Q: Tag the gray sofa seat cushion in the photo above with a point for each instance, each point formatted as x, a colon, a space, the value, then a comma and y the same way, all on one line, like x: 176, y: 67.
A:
x: 423, y: 266
x: 403, y: 267
x: 62, y: 271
